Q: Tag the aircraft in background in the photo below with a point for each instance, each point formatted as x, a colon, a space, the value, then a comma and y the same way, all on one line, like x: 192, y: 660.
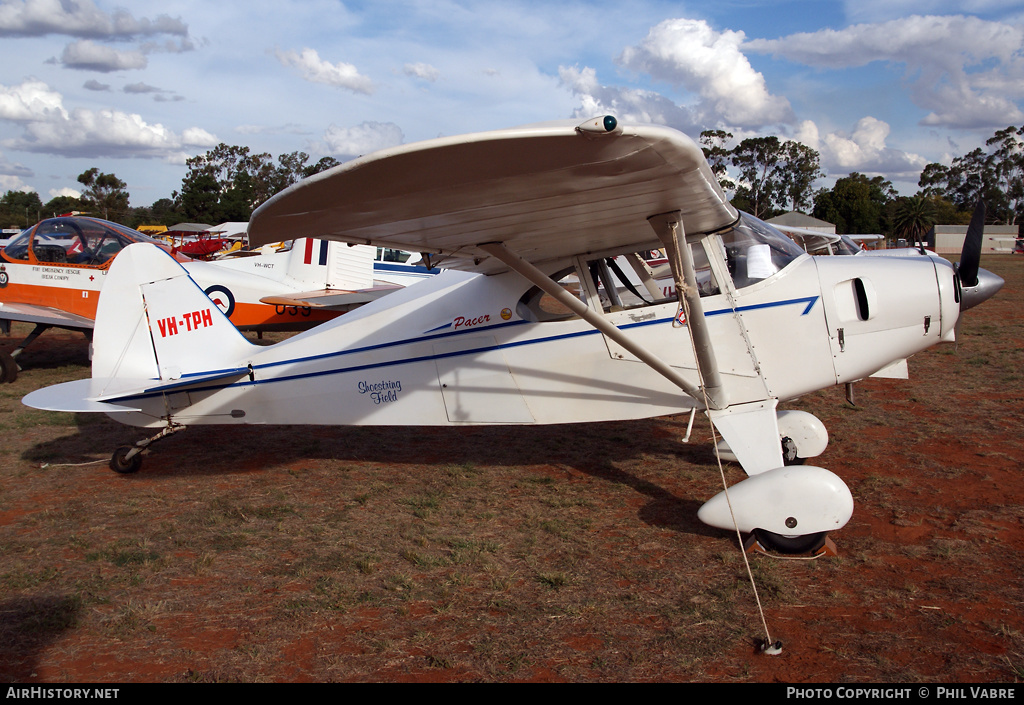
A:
x: 816, y: 242
x: 514, y: 331
x: 52, y: 273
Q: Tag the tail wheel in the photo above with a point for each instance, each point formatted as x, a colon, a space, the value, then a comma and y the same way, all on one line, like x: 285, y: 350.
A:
x: 804, y: 543
x: 121, y: 463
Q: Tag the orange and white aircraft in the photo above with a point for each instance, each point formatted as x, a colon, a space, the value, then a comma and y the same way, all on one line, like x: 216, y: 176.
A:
x: 51, y: 275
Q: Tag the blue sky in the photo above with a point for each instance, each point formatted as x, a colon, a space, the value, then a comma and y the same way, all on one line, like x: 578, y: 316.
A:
x: 876, y: 86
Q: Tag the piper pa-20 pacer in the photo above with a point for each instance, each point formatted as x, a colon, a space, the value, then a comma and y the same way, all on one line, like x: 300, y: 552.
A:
x: 52, y: 273
x: 524, y: 223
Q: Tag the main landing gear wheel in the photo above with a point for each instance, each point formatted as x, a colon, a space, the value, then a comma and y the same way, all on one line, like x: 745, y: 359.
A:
x: 806, y: 543
x: 8, y: 368
x: 121, y: 463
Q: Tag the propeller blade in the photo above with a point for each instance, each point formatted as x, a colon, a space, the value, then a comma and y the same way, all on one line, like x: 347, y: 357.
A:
x: 970, y: 256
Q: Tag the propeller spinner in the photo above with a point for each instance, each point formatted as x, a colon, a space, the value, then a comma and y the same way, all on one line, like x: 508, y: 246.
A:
x: 973, y: 283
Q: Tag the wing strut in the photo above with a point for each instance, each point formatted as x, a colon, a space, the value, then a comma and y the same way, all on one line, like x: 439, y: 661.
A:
x: 669, y: 228
x: 551, y: 287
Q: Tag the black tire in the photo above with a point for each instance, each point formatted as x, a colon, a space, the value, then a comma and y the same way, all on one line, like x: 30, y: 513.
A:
x: 8, y: 368
x: 805, y: 543
x: 123, y: 465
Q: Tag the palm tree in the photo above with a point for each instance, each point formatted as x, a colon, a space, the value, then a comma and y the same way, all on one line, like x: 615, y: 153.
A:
x: 913, y: 217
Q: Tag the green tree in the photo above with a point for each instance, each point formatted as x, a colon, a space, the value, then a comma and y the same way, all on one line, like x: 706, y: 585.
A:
x: 236, y: 203
x: 856, y: 204
x: 20, y: 209
x: 759, y: 160
x: 802, y: 168
x: 59, y: 205
x: 994, y: 174
x: 229, y: 181
x: 200, y: 200
x: 774, y: 175
x: 1006, y: 160
x: 324, y: 164
x: 713, y: 145
x: 913, y: 217
x: 104, y: 195
x: 162, y: 212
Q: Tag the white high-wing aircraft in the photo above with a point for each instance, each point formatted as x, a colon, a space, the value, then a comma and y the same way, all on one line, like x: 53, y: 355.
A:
x: 495, y: 338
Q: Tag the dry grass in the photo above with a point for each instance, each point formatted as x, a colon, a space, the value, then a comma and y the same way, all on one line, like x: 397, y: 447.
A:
x: 514, y: 554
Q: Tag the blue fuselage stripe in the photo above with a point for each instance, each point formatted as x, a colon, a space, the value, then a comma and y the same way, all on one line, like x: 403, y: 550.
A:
x: 809, y: 301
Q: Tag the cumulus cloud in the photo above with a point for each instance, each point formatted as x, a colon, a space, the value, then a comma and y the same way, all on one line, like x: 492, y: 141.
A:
x: 79, y: 18
x: 89, y: 133
x: 87, y: 55
x: 969, y: 72
x: 627, y: 104
x: 69, y: 193
x: 11, y: 183
x: 361, y: 139
x: 690, y: 54
x: 94, y: 85
x: 50, y: 128
x: 198, y: 137
x: 317, y: 70
x: 424, y: 72
x: 31, y: 100
x: 863, y: 150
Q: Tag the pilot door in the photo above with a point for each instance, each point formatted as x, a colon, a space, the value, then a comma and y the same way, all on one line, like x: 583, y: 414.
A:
x: 637, y: 293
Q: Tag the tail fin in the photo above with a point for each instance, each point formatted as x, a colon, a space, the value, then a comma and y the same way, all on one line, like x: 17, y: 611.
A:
x: 320, y: 264
x: 154, y: 323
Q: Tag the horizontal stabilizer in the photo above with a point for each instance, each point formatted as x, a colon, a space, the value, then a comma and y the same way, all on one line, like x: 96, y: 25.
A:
x: 331, y: 298
x: 45, y: 315
x: 107, y: 395
x: 153, y: 386
x: 72, y: 397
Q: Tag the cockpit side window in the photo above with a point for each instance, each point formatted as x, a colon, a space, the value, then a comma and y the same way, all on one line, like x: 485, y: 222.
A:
x: 537, y: 305
x: 645, y: 278
x: 753, y: 251
x: 17, y: 248
x: 388, y: 254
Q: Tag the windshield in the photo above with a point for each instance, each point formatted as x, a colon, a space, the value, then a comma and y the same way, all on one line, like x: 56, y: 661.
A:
x: 847, y: 246
x: 755, y: 250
